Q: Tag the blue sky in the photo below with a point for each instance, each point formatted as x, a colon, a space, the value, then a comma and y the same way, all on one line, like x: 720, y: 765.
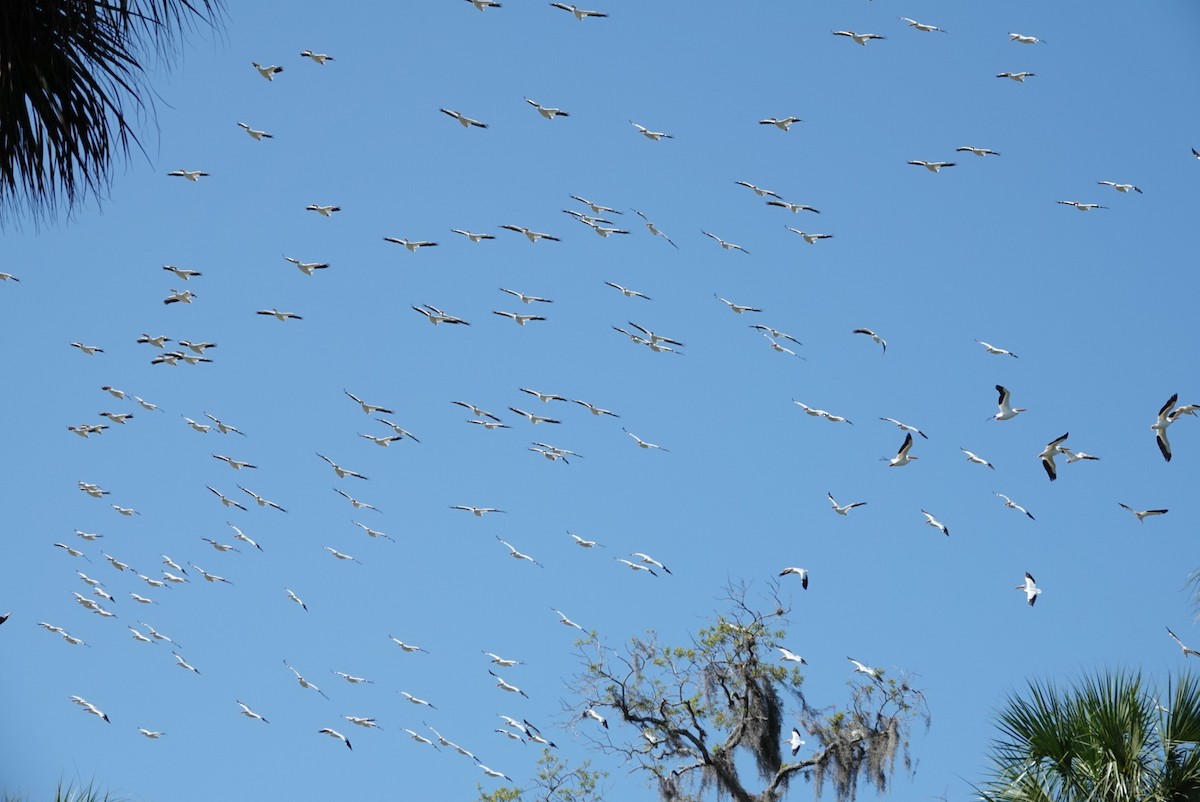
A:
x: 1099, y: 306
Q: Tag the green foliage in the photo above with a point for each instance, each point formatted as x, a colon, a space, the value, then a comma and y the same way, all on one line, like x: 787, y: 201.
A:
x: 555, y: 782
x: 70, y: 793
x: 1112, y: 737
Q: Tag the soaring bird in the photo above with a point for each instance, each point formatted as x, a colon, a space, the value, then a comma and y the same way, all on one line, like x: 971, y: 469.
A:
x: 783, y: 124
x: 254, y: 133
x: 190, y: 175
x: 338, y: 735
x: 1049, y: 453
x: 977, y: 151
x: 646, y: 132
x: 319, y: 58
x: 920, y: 26
x: 902, y: 457
x: 873, y: 673
x: 580, y: 14
x: 879, y: 340
x: 1019, y: 77
x: 268, y: 72
x: 800, y: 572
x: 729, y: 246
x: 463, y: 120
x: 1032, y: 591
x: 1006, y: 411
x: 932, y: 167
x: 1121, y: 187
x: 1142, y: 515
x: 1008, y: 502
x: 532, y: 236
x: 843, y: 509
x: 935, y: 523
x: 861, y: 38
x: 1185, y: 649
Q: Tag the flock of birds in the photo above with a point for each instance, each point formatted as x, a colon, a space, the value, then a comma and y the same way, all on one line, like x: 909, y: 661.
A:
x: 543, y: 410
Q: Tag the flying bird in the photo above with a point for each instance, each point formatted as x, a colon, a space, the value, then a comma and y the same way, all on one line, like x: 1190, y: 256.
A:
x: 1032, y: 591
x: 338, y: 735
x: 549, y: 112
x: 873, y: 673
x: 190, y: 175
x: 278, y: 315
x: 1008, y: 502
x: 1006, y: 411
x: 1142, y: 515
x: 255, y: 134
x: 933, y: 167
x: 1025, y: 40
x: 532, y: 236
x: 794, y: 208
x: 319, y: 58
x: 800, y: 572
x: 268, y: 72
x: 920, y: 26
x: 882, y: 342
x: 1049, y: 453
x: 643, y: 443
x: 463, y: 120
x: 1121, y: 187
x: 935, y: 523
x: 653, y: 229
x: 843, y: 509
x: 977, y: 151
x: 412, y: 245
x: 1083, y: 207
x: 861, y: 38
x: 324, y: 211
x: 302, y: 682
x: 737, y: 308
x: 902, y: 457
x: 652, y: 135
x: 975, y: 458
x: 471, y: 235
x: 729, y: 246
x: 788, y: 656
x: 262, y: 502
x: 339, y: 470
x: 1185, y: 649
x: 580, y: 14
x: 1019, y: 77
x: 783, y: 124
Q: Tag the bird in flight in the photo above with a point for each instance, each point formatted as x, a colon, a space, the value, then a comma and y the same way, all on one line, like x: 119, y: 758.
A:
x: 463, y: 120
x: 977, y: 151
x: 324, y: 211
x: 653, y: 135
x: 861, y: 38
x: 319, y: 58
x: 1142, y: 515
x: 1048, y: 454
x: 729, y: 246
x: 268, y: 72
x: 1032, y: 591
x: 902, y: 457
x: 843, y: 509
x: 811, y: 239
x: 873, y: 673
x: 532, y: 236
x: 1019, y: 77
x: 783, y: 124
x: 1121, y: 187
x: 190, y: 175
x: 920, y: 26
x: 975, y: 458
x: 580, y: 14
x: 935, y: 523
x: 1008, y: 502
x: 549, y: 112
x: 254, y: 133
x: 904, y: 427
x: 1025, y: 40
x: 338, y: 735
x: 882, y: 342
x: 1006, y: 411
x: 1083, y: 207
x: 933, y: 167
x: 1185, y: 649
x: 991, y: 349
x: 800, y: 572
x: 737, y: 308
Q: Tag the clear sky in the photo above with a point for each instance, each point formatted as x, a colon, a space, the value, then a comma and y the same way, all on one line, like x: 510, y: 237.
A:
x: 1099, y: 307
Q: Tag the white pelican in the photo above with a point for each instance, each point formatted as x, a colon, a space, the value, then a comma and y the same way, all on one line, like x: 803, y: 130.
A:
x: 184, y: 664
x: 126, y: 511
x: 566, y: 622
x: 408, y: 647
x: 362, y: 721
x: 902, y: 457
x: 268, y: 72
x: 783, y: 124
x: 592, y: 714
x: 155, y: 583
x: 414, y: 735
x: 1166, y: 416
x: 882, y: 342
x: 222, y: 547
x: 139, y: 637
x: 295, y: 598
x: 652, y: 135
x: 248, y: 713
x: 88, y: 349
x: 737, y: 308
x: 307, y: 268
x: 367, y: 408
x: 178, y: 580
x: 1075, y: 456
x: 1025, y: 40
x: 920, y: 26
x: 9, y: 277
x: 933, y: 167
x: 492, y: 772
x: 843, y: 509
x: 991, y: 349
x: 500, y: 683
x: 471, y: 235
x: 1083, y: 207
x: 500, y: 661
x: 584, y: 543
x: 339, y: 470
x: 262, y: 502
x: 254, y: 133
x: 861, y: 38
x: 412, y: 245
x: 324, y: 211
x: 382, y: 441
x: 595, y: 207
x: 353, y: 680
x: 800, y: 572
x: 436, y: 316
x: 182, y: 272
x: 795, y: 741
x: 935, y: 523
x: 177, y: 297
x: 210, y: 577
x: 595, y: 410
x: 1032, y: 591
x: 655, y: 339
x: 904, y: 427
x: 1143, y: 514
x: 975, y: 458
x: 87, y: 535
x: 604, y: 232
x: 757, y: 190
x: 476, y: 411
x: 146, y: 339
x: 1008, y: 502
x: 358, y: 505
x: 512, y: 552
x: 1019, y: 77
x: 586, y: 219
x: 977, y: 151
x: 520, y: 320
x: 90, y: 708
x: 873, y: 673
x: 635, y: 566
x: 643, y: 443
x: 772, y: 333
x: 302, y: 682
x: 548, y: 112
x: 1186, y: 650
x: 532, y: 236
x: 340, y: 555
x: 233, y: 463
x: 790, y: 656
x: 463, y: 120
x: 478, y: 512
x: 190, y: 175
x: 646, y: 558
x: 543, y: 397
x: 117, y: 417
x: 338, y: 735
x: 87, y: 429
x: 534, y: 418
x: 1121, y: 187
x: 154, y: 633
x: 144, y: 404
x: 319, y: 58
x: 811, y: 239
x: 580, y: 14
x: 372, y: 532
x: 729, y: 246
x: 526, y: 299
x: 1049, y: 453
x: 653, y: 229
x: 278, y: 315
x: 793, y: 207
x: 415, y: 700
x: 1006, y: 410
x: 115, y: 563
x: 228, y: 502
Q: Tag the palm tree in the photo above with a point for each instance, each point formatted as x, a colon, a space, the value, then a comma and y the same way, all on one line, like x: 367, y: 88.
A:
x: 1111, y: 738
x: 72, y: 73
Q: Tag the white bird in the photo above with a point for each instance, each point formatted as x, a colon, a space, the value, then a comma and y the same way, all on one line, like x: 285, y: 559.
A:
x: 179, y: 661
x: 1025, y: 40
x: 210, y: 577
x: 302, y: 682
x: 584, y: 543
x: 184, y: 273
x: 219, y: 546
x: 278, y: 315
x: 319, y: 58
x: 248, y: 713
x: 920, y: 26
x: 472, y: 235
x: 412, y: 245
x: 757, y: 190
x: 991, y: 349
x: 1143, y: 514
x: 520, y: 320
x: 653, y: 229
x: 977, y: 151
x: 1186, y: 650
x: 90, y: 708
x: 628, y: 293
x: 800, y: 572
x: 341, y: 556
x: 9, y: 277
x: 1008, y: 502
x: 737, y: 308
x: 500, y: 661
x: 151, y: 734
x: 879, y: 340
x: 146, y: 339
x: 492, y: 772
x: 861, y: 38
x: 975, y: 458
x: 262, y: 502
x: 905, y: 427
x: 338, y: 735
x: 729, y: 246
x: 935, y: 523
x: 652, y: 135
x: 636, y: 566
x: 811, y: 239
x: 1075, y: 456
x: 592, y: 714
x: 324, y: 211
x: 1032, y: 591
x: 595, y: 410
x: 548, y: 112
x: 1166, y: 416
x: 358, y: 505
x: 339, y: 470
x: 478, y: 512
x: 295, y: 598
x: 117, y: 417
x: 873, y: 673
x: 408, y: 647
x: 463, y: 120
x: 794, y: 208
x: 902, y: 457
x: 531, y: 235
x: 933, y: 167
x: 415, y: 735
x: 512, y: 552
x: 268, y: 72
x: 790, y: 657
x: 646, y: 558
x: 416, y: 701
x: 367, y: 408
x: 152, y: 582
x: 87, y: 429
x: 500, y: 683
x: 643, y: 443
x: 115, y: 563
x: 228, y: 502
x: 1121, y: 187
x: 237, y: 465
x: 126, y: 511
x: 362, y: 721
x: 372, y: 532
x: 154, y: 633
x: 783, y: 124
x: 1006, y: 410
x: 1083, y: 207
x: 580, y: 14
x: 144, y: 404
x: 534, y: 418
x: 88, y: 349
x: 1019, y: 77
x: 307, y: 268
x: 184, y: 297
x: 526, y: 299
x: 139, y: 637
x: 255, y: 134
x: 190, y: 175
x: 353, y: 680
x: 382, y: 441
x: 843, y: 509
x: 1049, y: 453
x: 566, y: 622
x: 795, y: 741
